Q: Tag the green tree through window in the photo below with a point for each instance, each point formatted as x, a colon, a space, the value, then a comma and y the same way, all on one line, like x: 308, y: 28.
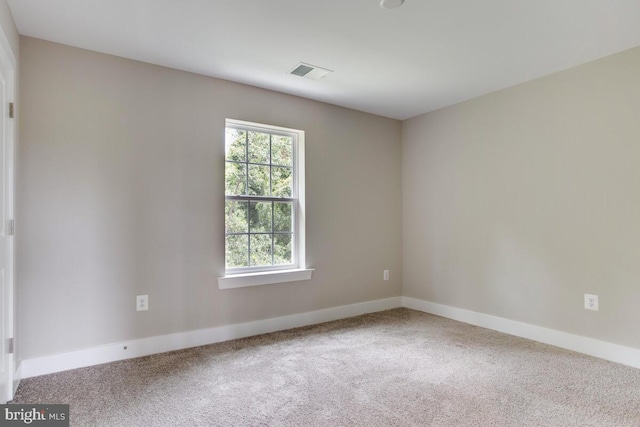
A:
x: 260, y: 193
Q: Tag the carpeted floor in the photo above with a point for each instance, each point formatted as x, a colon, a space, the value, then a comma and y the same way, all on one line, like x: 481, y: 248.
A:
x: 395, y: 368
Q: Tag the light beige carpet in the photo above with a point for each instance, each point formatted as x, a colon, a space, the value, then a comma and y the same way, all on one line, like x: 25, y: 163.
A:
x: 395, y: 368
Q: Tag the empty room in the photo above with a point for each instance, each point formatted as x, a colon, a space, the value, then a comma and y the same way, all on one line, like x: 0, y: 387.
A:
x: 320, y: 213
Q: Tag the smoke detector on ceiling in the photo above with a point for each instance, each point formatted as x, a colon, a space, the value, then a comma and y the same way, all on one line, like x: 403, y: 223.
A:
x: 310, y: 71
x: 391, y: 4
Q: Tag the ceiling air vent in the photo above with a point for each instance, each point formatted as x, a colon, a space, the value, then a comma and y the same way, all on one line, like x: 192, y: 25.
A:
x: 310, y: 71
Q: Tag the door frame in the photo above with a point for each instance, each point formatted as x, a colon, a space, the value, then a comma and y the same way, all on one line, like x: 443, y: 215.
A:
x: 9, y: 64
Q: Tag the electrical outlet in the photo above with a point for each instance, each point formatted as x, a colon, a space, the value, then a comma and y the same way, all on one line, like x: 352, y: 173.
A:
x: 385, y: 274
x: 142, y: 302
x: 591, y: 302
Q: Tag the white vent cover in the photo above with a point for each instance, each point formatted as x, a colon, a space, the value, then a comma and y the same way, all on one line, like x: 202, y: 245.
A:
x: 310, y: 71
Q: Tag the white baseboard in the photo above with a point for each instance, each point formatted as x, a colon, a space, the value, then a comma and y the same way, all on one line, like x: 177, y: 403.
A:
x: 160, y: 344
x: 592, y: 347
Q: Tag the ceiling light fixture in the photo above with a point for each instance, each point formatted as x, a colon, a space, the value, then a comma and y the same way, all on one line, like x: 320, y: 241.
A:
x: 391, y: 4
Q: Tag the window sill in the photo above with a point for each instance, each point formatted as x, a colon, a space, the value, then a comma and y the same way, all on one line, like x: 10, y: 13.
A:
x: 263, y: 278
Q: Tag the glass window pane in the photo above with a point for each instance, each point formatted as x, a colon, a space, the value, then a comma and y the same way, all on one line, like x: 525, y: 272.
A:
x: 260, y: 249
x: 235, y: 145
x: 260, y: 165
x: 235, y: 219
x: 282, y: 249
x: 282, y: 150
x: 235, y: 178
x: 236, y: 252
x: 259, y: 147
x: 258, y: 180
x: 282, y: 219
x: 260, y: 217
x: 282, y: 182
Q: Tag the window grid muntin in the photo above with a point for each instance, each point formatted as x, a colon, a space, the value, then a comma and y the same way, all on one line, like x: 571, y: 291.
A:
x: 271, y: 198
x: 272, y: 233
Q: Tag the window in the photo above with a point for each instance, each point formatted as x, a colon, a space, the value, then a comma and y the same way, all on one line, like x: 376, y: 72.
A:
x: 264, y: 202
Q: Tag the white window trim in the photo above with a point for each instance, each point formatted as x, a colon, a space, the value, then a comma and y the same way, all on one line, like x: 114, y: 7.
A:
x: 270, y: 275
x: 264, y: 278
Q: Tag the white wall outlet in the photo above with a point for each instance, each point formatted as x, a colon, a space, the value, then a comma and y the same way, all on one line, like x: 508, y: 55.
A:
x: 142, y: 303
x: 591, y: 302
x: 385, y: 274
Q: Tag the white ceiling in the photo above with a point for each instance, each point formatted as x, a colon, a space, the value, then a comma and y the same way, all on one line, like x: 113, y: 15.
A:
x: 396, y: 63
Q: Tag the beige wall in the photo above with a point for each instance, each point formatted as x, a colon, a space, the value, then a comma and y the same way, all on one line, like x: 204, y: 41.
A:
x: 121, y: 193
x: 514, y: 204
x: 517, y: 203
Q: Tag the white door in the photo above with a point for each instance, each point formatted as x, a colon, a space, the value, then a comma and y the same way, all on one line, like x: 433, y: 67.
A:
x: 6, y: 230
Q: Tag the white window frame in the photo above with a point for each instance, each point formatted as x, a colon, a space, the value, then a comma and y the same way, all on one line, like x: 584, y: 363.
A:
x: 263, y: 275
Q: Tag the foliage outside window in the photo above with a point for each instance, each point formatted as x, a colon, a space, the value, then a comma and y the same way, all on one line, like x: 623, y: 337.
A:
x: 261, y: 197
